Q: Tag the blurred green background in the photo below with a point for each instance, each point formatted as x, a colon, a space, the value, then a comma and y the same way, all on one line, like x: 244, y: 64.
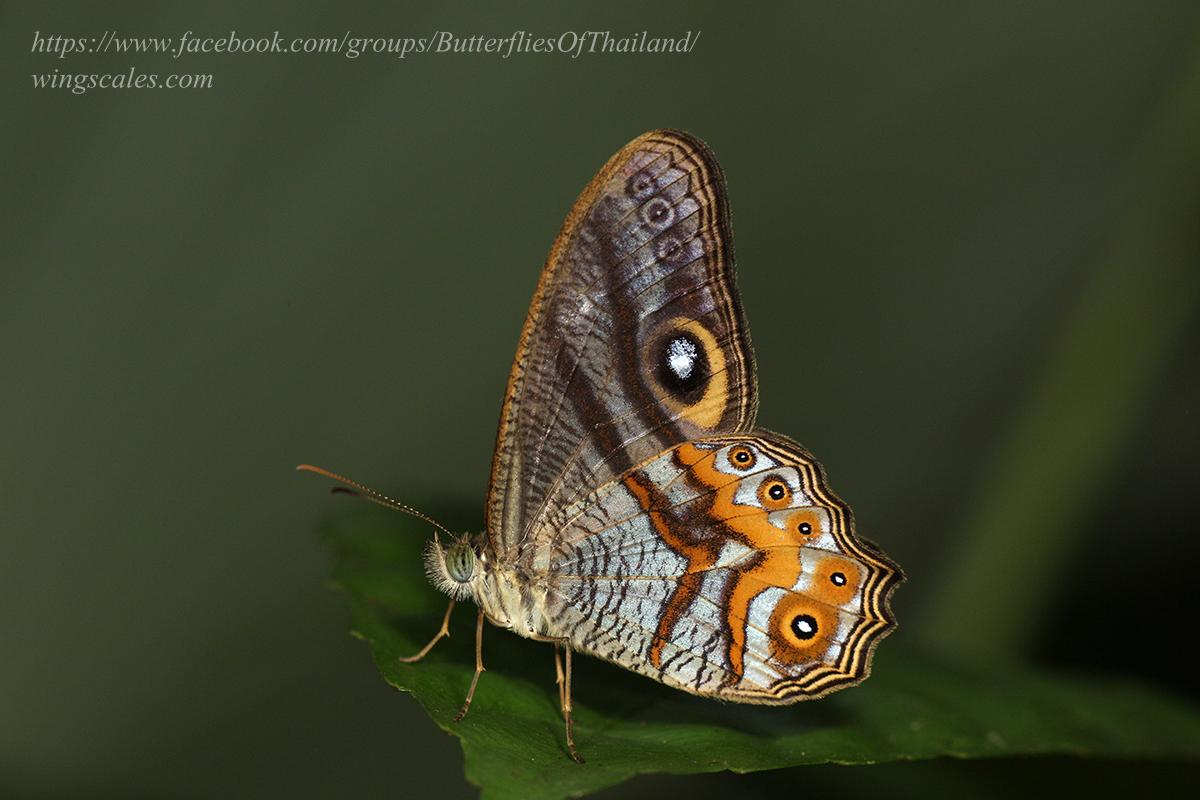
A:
x: 987, y: 211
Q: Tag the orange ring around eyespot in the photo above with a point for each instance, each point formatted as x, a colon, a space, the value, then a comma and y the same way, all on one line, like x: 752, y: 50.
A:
x: 805, y: 516
x: 710, y: 408
x: 825, y: 588
x: 744, y: 464
x: 786, y: 647
x: 767, y: 487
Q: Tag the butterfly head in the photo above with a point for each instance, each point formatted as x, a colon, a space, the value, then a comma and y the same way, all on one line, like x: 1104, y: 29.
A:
x: 452, y: 567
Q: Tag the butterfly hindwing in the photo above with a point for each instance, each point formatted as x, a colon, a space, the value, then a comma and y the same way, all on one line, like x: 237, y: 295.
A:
x: 635, y: 339
x: 723, y: 566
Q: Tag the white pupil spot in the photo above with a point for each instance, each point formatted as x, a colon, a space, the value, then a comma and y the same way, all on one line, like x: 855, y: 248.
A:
x: 681, y: 358
x: 805, y: 626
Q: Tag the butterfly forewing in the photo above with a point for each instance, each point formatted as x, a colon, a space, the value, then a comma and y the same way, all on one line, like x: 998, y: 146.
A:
x: 634, y: 342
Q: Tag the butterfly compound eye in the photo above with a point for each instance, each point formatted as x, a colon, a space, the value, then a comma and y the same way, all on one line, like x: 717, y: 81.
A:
x: 460, y: 561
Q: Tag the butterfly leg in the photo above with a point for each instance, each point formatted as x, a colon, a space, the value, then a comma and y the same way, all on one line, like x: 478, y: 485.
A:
x: 437, y: 637
x: 478, y: 667
x: 558, y: 677
x: 566, y: 707
x: 563, y: 679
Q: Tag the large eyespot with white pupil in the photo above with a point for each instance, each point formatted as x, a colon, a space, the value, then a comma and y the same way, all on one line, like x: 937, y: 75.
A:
x: 683, y: 368
x: 804, y: 626
x: 801, y: 629
x: 658, y: 213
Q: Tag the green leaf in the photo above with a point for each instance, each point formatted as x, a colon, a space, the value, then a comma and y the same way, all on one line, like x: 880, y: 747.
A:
x: 913, y: 707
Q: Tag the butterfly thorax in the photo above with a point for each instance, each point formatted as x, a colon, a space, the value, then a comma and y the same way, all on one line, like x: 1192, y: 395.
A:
x: 505, y: 590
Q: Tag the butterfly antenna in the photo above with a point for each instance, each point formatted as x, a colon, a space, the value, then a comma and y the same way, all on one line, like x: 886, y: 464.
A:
x: 367, y: 493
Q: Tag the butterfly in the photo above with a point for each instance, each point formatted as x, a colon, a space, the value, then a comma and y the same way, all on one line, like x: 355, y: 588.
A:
x: 635, y: 513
